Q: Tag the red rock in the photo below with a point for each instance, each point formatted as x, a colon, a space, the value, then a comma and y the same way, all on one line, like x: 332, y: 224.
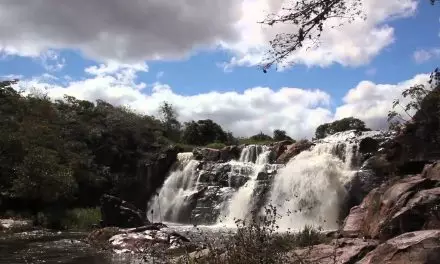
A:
x: 432, y: 171
x: 341, y: 251
x: 421, y: 247
x: 293, y: 150
x: 354, y: 222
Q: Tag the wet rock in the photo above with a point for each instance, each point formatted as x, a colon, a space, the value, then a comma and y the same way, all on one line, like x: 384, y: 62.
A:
x: 229, y: 153
x: 368, y: 145
x: 119, y: 213
x: 408, y: 204
x: 341, y: 251
x: 141, y: 242
x: 293, y: 150
x: 421, y: 247
x: 262, y: 176
x: 280, y: 147
x: 15, y: 225
x: 206, y: 154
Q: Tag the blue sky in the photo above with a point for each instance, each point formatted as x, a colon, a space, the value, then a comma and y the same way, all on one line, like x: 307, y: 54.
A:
x: 368, y: 63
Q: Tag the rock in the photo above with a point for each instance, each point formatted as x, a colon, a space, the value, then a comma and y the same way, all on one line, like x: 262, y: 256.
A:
x: 280, y: 147
x: 147, y: 240
x: 119, y: 213
x: 293, y: 150
x: 432, y: 171
x: 99, y: 238
x: 341, y: 251
x: 421, y: 247
x: 206, y: 154
x: 15, y: 225
x: 229, y: 153
x: 354, y: 222
x: 406, y: 205
x: 368, y: 145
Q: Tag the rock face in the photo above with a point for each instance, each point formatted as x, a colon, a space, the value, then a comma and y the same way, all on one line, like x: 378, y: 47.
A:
x: 422, y: 247
x: 293, y: 150
x: 409, y: 204
x: 119, y: 213
x: 215, y: 155
x: 148, y: 176
x: 341, y: 251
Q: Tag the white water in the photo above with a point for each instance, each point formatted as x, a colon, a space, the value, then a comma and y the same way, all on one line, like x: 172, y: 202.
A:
x: 310, y: 189
x: 179, y: 184
x: 241, y: 203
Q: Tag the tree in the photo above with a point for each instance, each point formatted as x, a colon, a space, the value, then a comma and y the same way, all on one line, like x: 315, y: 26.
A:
x: 280, y: 135
x: 423, y: 102
x: 309, y: 17
x: 204, y: 132
x: 168, y: 116
x: 345, y: 124
x: 261, y: 137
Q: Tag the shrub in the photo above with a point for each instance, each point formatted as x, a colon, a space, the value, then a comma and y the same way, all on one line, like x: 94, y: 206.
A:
x: 216, y: 145
x: 81, y: 218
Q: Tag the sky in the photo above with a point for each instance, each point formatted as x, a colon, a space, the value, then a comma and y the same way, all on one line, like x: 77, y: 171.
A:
x: 203, y: 57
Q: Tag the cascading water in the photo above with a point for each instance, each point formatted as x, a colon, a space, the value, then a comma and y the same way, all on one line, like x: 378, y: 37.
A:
x: 241, y: 203
x: 172, y: 198
x: 309, y: 190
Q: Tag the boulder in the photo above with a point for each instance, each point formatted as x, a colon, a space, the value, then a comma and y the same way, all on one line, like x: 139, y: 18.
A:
x: 421, y: 247
x: 119, y: 213
x: 206, y: 154
x: 229, y: 153
x: 432, y: 171
x: 15, y: 225
x: 368, y: 145
x: 293, y: 150
x: 280, y: 147
x: 406, y: 205
x: 341, y: 251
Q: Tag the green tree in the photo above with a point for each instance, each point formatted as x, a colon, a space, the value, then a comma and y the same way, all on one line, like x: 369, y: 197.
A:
x: 280, y: 135
x: 261, y: 137
x: 204, y: 132
x: 349, y: 123
x: 168, y: 116
x: 309, y: 17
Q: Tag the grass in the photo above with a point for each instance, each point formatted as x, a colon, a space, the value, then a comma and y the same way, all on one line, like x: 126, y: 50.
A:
x: 81, y: 218
x: 216, y: 145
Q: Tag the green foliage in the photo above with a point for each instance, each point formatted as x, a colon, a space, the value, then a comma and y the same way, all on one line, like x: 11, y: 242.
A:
x: 168, y: 116
x: 81, y: 218
x: 67, y: 153
x: 280, y: 135
x: 423, y: 101
x: 204, y: 132
x: 349, y: 123
x: 216, y: 145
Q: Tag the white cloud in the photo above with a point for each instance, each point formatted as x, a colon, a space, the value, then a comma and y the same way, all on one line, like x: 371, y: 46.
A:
x: 298, y: 111
x: 353, y: 44
x: 51, y: 61
x: 126, y: 31
x: 371, y: 102
x: 423, y: 55
x: 134, y: 31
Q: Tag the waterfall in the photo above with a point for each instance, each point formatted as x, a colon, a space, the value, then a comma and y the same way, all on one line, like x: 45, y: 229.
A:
x: 241, y: 204
x: 170, y: 203
x: 308, y: 190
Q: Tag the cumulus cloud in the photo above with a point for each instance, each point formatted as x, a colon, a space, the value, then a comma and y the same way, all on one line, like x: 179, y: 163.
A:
x: 424, y: 55
x: 134, y: 31
x: 127, y: 31
x: 353, y: 44
x: 256, y: 109
x: 371, y: 102
x: 297, y: 110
